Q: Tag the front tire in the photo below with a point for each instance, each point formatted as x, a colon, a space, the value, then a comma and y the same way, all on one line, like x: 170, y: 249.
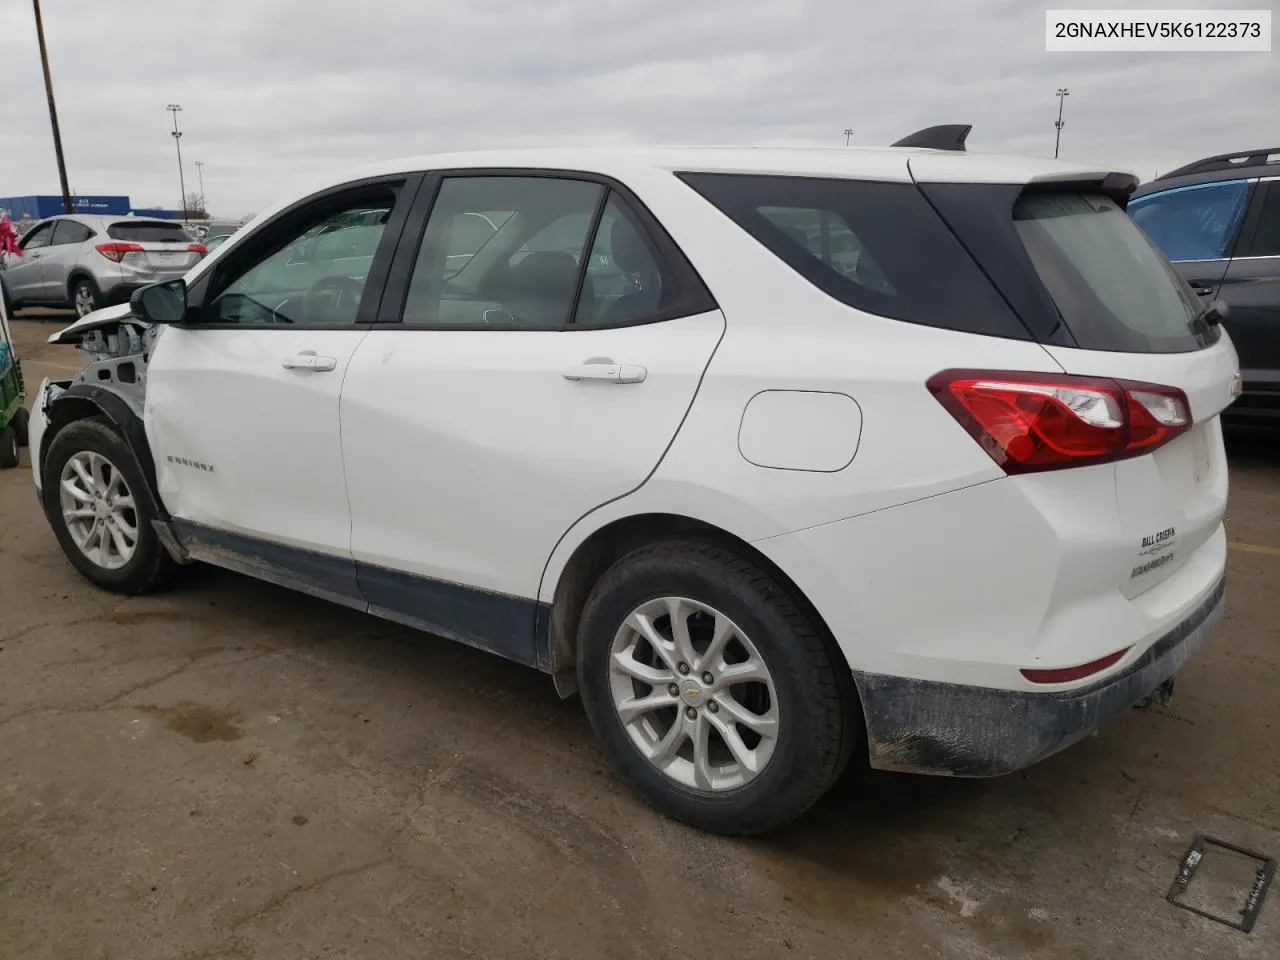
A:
x: 96, y: 499
x: 84, y: 297
x: 711, y: 689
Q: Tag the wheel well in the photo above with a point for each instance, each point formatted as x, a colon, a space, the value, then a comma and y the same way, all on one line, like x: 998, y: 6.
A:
x: 611, y: 543
x: 61, y: 414
x: 78, y: 274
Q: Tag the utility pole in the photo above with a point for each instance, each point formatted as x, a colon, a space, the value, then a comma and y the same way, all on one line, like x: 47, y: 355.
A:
x: 200, y: 171
x: 53, y: 113
x: 1063, y: 93
x: 848, y: 132
x: 177, y: 142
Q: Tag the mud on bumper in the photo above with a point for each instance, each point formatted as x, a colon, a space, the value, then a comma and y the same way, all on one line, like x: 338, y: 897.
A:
x: 922, y: 726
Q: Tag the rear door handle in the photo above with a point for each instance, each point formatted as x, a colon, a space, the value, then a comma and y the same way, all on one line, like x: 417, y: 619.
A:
x: 602, y: 368
x: 1201, y: 290
x: 309, y: 360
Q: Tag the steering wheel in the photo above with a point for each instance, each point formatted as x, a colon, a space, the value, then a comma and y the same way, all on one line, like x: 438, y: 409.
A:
x: 329, y: 294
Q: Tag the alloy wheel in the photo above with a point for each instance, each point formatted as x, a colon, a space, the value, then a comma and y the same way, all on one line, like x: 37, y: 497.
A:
x: 99, y: 510
x: 694, y: 694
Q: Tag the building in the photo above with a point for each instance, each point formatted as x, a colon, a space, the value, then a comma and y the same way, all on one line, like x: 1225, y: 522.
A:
x: 32, y: 208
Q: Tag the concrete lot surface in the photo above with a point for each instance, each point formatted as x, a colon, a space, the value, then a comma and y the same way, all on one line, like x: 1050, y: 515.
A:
x: 230, y: 770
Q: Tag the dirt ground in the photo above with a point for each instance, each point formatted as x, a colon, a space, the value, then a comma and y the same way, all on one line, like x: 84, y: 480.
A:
x: 232, y: 770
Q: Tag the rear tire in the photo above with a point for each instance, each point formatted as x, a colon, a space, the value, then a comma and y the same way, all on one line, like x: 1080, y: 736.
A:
x: 718, y: 772
x: 84, y: 296
x: 97, y: 502
x: 21, y: 422
x: 8, y: 448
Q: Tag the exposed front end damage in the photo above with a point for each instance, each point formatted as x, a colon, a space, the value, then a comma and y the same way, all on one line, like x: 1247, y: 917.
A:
x: 922, y: 726
x: 117, y: 348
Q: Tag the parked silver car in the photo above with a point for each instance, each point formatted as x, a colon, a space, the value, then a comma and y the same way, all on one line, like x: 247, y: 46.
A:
x: 88, y: 262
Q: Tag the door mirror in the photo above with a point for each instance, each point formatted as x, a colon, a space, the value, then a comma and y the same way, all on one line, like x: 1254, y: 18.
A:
x: 161, y: 302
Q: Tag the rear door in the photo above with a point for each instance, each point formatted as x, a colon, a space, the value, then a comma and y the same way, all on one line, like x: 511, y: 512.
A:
x: 60, y: 256
x: 506, y: 392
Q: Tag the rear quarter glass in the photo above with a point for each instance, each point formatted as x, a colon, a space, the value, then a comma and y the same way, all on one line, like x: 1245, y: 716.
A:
x: 878, y: 247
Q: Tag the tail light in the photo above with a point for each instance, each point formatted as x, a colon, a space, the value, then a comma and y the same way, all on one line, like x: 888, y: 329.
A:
x: 197, y: 248
x: 116, y: 251
x: 1035, y: 421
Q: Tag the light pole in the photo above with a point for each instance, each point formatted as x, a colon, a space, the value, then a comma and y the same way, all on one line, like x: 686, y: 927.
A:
x: 200, y: 172
x: 848, y: 132
x: 1063, y: 93
x: 177, y: 142
x: 53, y: 112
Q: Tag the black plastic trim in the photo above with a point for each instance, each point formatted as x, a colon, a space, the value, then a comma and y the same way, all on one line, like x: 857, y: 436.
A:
x: 951, y: 729
x: 944, y: 136
x: 129, y: 425
x: 512, y: 627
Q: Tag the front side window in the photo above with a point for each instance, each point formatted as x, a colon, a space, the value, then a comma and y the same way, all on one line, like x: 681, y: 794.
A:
x: 39, y: 237
x: 315, y: 271
x: 1193, y: 223
x: 524, y: 273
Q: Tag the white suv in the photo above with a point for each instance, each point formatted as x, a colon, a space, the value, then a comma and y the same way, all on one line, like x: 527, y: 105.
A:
x: 774, y: 456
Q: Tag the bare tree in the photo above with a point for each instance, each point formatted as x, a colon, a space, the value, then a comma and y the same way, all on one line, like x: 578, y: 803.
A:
x: 195, y: 207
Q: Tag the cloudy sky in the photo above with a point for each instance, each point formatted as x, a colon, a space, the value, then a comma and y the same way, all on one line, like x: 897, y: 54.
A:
x: 275, y: 91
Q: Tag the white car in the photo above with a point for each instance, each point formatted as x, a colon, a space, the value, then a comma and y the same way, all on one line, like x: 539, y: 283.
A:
x: 948, y: 503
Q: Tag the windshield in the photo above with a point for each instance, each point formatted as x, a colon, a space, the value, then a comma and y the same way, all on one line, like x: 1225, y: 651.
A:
x: 1112, y: 287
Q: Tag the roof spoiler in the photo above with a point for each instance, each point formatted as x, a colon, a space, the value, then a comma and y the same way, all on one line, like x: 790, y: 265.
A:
x: 1225, y: 161
x: 946, y: 136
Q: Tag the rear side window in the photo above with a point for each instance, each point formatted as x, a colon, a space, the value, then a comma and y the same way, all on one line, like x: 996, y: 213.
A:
x: 148, y: 232
x: 878, y: 247
x: 68, y: 231
x: 1112, y: 288
x: 1193, y: 223
x: 1265, y: 241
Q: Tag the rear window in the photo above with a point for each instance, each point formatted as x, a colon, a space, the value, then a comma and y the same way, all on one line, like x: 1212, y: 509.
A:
x: 875, y: 246
x: 1112, y: 287
x: 148, y: 232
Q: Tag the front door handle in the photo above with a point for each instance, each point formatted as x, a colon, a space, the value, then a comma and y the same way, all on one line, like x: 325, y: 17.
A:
x: 602, y: 368
x: 309, y: 360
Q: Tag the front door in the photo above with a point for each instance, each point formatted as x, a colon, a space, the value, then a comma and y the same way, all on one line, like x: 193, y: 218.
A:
x: 525, y: 377
x: 22, y: 275
x: 242, y: 399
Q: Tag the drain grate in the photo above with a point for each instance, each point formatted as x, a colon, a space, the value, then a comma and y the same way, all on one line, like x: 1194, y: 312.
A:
x: 1226, y: 876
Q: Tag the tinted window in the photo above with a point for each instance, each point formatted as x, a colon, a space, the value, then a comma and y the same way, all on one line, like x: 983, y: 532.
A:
x: 627, y: 279
x: 525, y: 273
x: 38, y: 237
x: 316, y: 270
x: 148, y: 232
x: 878, y: 247
x: 1192, y: 223
x: 68, y: 231
x: 1112, y: 287
x: 1266, y: 238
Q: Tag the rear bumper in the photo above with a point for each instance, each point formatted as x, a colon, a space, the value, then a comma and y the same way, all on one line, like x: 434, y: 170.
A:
x: 923, y: 726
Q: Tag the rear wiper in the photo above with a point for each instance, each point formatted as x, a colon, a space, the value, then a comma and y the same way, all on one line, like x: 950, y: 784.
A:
x: 1214, y: 312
